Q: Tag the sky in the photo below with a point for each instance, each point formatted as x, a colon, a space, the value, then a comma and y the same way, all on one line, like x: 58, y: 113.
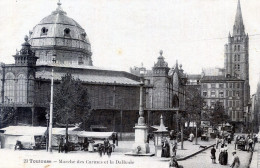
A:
x: 126, y: 33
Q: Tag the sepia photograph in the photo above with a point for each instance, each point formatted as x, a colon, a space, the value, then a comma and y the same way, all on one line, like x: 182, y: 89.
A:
x: 129, y: 83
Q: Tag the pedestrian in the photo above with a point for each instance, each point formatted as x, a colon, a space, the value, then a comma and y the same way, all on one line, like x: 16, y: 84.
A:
x: 250, y: 145
x: 61, y: 145
x: 148, y: 138
x: 173, y: 162
x: 217, y: 142
x: 165, y: 148
x: 236, y: 162
x: 114, y: 138
x: 106, y: 143
x: 174, y: 149
x: 91, y: 145
x: 247, y: 143
x: 109, y: 150
x: 225, y: 155
x: 229, y: 139
x: 85, y: 144
x: 236, y: 141
x: 191, y: 137
x: 66, y: 147
x: 213, y: 154
x: 100, y: 149
x: 221, y: 155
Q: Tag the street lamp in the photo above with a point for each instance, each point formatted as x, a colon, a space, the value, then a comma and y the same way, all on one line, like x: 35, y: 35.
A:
x: 51, y: 106
x: 47, y: 135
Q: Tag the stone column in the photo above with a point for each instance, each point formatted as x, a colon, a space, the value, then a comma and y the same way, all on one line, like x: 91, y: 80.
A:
x: 33, y: 109
x: 141, y: 130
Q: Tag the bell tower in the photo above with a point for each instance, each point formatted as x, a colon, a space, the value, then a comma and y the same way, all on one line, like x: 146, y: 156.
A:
x: 236, y: 52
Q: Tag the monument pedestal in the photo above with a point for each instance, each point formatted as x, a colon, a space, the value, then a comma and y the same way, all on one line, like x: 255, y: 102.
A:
x: 141, y: 146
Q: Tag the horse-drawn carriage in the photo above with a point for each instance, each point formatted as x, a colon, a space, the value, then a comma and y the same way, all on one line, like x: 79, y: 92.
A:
x: 241, y: 144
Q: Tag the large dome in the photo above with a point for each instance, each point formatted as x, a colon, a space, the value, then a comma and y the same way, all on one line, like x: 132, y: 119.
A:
x: 58, y: 35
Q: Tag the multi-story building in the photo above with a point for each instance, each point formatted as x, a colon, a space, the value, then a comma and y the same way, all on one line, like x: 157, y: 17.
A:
x: 227, y: 91
x: 229, y: 85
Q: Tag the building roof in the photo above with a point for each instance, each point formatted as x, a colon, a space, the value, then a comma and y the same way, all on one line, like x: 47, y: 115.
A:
x: 51, y: 31
x: 219, y: 78
x: 194, y: 76
x: 99, y: 76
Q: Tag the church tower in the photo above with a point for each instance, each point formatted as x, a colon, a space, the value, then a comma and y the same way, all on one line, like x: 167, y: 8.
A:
x: 236, y: 53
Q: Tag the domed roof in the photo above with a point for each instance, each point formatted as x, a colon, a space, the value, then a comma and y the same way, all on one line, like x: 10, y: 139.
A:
x: 59, y: 30
x: 59, y: 17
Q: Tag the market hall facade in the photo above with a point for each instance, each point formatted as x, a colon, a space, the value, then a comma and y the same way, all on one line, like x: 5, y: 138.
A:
x: 58, y: 42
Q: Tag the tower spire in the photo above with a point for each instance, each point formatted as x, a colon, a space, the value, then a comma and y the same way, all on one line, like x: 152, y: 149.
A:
x: 239, y: 25
x: 239, y: 19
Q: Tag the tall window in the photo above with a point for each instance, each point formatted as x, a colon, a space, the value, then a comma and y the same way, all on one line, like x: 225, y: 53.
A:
x: 9, y: 88
x: 238, y: 67
x: 21, y: 89
x: 235, y: 57
x: 221, y: 94
x: 30, y: 89
x: 238, y: 47
x: 213, y: 94
x: 1, y: 86
x: 205, y: 93
x: 238, y: 57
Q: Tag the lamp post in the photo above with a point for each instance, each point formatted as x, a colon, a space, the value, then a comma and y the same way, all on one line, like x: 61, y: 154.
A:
x: 47, y: 138
x: 51, y: 106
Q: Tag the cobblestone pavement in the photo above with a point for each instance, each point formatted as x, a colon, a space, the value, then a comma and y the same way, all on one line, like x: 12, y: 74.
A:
x: 203, y: 159
x: 255, y: 163
x: 80, y: 159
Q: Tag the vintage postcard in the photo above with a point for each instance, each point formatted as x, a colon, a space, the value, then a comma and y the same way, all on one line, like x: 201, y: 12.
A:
x: 129, y: 83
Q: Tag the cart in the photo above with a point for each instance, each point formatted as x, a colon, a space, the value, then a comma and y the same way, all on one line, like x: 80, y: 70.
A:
x: 241, y: 144
x: 204, y: 137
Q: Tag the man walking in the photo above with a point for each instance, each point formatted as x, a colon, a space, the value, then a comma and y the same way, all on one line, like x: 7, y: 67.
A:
x: 236, y: 161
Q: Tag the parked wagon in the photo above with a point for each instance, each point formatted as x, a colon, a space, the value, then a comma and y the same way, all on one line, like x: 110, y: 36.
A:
x: 204, y: 137
x: 241, y: 144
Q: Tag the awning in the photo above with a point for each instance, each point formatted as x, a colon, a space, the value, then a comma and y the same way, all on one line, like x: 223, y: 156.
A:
x: 97, y: 135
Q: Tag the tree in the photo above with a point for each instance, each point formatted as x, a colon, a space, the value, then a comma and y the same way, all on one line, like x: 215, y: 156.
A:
x: 218, y: 115
x: 194, y: 105
x: 8, y: 116
x: 71, y: 102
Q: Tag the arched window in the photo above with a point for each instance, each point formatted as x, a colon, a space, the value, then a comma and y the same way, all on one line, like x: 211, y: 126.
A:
x: 30, y: 89
x: 235, y: 57
x: 175, y: 101
x: 238, y: 57
x: 21, y: 89
x: 238, y: 67
x: 9, y: 87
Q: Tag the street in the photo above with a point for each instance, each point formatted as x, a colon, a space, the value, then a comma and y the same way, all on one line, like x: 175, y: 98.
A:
x: 203, y: 159
x: 78, y: 159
